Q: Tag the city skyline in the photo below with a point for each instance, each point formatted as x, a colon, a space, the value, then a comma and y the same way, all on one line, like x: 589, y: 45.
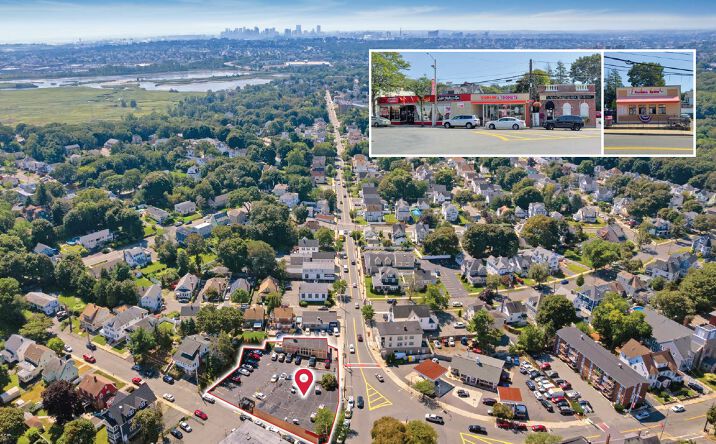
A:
x: 67, y: 21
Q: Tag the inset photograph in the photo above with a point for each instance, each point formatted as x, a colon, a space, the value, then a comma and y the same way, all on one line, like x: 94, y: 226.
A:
x: 649, y: 103
x: 485, y: 103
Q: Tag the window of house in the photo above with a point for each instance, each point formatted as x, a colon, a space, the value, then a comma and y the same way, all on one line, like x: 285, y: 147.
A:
x: 662, y: 109
x: 581, y: 88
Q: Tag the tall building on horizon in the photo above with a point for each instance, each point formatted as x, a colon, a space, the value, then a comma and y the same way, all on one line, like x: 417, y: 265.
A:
x: 318, y: 29
x: 298, y: 30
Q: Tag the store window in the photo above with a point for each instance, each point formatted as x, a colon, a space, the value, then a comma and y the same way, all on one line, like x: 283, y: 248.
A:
x: 567, y: 109
x: 584, y: 110
x: 642, y: 110
x: 632, y: 110
x: 652, y: 109
x: 662, y: 109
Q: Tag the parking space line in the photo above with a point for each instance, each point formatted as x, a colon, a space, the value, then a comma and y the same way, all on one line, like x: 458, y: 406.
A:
x: 503, y: 138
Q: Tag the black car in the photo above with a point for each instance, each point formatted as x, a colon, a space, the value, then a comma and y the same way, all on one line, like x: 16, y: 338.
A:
x: 312, y: 361
x: 696, y: 387
x: 359, y: 402
x: 477, y: 429
x: 91, y: 346
x: 297, y: 361
x: 463, y: 394
x: 547, y: 405
x: 575, y: 123
x: 566, y: 410
x: 534, y: 374
x: 392, y: 301
x: 177, y: 434
x: 489, y: 401
x: 531, y: 385
x: 168, y: 379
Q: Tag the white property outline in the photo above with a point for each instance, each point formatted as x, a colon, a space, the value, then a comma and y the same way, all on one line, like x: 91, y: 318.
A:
x: 262, y: 348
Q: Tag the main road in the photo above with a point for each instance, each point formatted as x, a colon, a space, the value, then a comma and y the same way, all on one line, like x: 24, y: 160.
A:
x: 648, y: 145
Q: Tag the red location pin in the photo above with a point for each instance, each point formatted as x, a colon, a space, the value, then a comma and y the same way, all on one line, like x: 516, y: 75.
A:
x: 304, y: 380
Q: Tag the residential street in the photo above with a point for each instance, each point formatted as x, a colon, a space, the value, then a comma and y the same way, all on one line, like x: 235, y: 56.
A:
x: 645, y: 145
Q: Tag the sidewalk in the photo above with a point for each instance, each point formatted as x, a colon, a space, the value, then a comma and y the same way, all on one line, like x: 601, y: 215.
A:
x: 649, y: 132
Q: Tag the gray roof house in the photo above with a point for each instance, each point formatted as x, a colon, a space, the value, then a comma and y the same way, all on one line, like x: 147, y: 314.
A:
x: 118, y: 418
x: 414, y: 312
x: 481, y: 371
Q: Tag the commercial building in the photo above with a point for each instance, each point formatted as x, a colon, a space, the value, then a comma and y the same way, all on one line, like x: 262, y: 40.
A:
x: 605, y: 372
x: 568, y: 100
x: 648, y: 104
x: 480, y: 371
x: 406, y: 110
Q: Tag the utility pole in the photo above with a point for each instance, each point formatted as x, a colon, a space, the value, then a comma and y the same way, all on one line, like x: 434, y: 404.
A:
x: 435, y: 88
x: 529, y: 111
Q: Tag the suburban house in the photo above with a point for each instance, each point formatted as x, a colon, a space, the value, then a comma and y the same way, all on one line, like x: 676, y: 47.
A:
x: 659, y: 368
x: 96, y: 239
x: 633, y: 285
x: 137, y: 257
x: 59, y: 369
x: 612, y: 233
x: 515, y: 312
x: 214, y: 289
x: 703, y: 245
x: 48, y: 251
x: 185, y: 208
x: 118, y: 419
x: 536, y: 209
x: 313, y: 291
x: 619, y: 383
x: 186, y: 287
x: 289, y: 199
x: 160, y: 216
x: 400, y: 260
x: 373, y: 212
x: 313, y: 320
x: 402, y: 210
x: 449, y: 211
x: 43, y: 302
x: 318, y: 271
x: 474, y: 271
x: 282, y: 319
x: 307, y: 246
x: 398, y: 235
x: 690, y: 349
x: 93, y: 317
x: 479, y: 371
x: 152, y: 298
x: 472, y: 309
x: 540, y: 255
x: 15, y: 347
x: 238, y: 216
x: 189, y: 311
x: 421, y: 231
x: 673, y: 268
x: 36, y: 357
x: 191, y: 350
x: 400, y: 338
x: 385, y: 280
x: 114, y: 330
x: 588, y: 215
x: 589, y: 296
x: 96, y: 390
x: 269, y: 285
x: 220, y: 218
x: 659, y: 227
x: 414, y: 312
x: 254, y: 318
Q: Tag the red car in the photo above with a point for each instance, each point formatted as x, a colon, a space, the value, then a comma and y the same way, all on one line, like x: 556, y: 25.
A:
x: 539, y: 428
x: 557, y: 399
x: 501, y: 423
x: 476, y: 350
x: 236, y: 379
x: 519, y: 426
x: 137, y: 380
x: 360, y: 338
x: 89, y: 358
x: 565, y: 386
x: 545, y: 366
x: 198, y: 413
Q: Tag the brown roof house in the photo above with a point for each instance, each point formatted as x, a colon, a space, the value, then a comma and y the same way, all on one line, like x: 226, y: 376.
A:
x: 214, y: 289
x: 93, y: 317
x: 96, y: 390
x: 254, y: 318
x: 659, y: 368
x: 282, y: 318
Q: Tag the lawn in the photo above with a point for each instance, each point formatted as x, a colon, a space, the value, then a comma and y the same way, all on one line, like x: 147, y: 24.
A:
x: 116, y: 381
x: 101, y: 437
x: 14, y: 382
x: 72, y: 302
x: 81, y: 104
x: 99, y: 339
x: 67, y: 249
x: 707, y: 378
x: 152, y: 268
x: 390, y: 218
x: 150, y: 230
x: 468, y: 286
x: 191, y: 217
x: 143, y: 282
x: 369, y: 290
x: 34, y: 394
x: 359, y: 220
x: 253, y: 336
x: 207, y: 258
x: 576, y: 268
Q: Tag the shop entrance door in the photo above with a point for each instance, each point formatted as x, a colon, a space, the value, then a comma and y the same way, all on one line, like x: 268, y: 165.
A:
x: 407, y: 115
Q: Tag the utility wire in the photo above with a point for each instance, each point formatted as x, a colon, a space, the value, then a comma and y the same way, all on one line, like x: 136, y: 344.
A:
x: 632, y: 62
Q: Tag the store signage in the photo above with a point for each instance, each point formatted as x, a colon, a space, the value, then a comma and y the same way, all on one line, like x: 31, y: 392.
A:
x: 572, y: 97
x: 646, y: 92
x: 449, y: 98
x: 497, y: 97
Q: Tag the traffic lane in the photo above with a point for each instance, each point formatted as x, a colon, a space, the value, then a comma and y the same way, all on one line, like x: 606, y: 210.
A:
x: 646, y: 145
x: 414, y: 141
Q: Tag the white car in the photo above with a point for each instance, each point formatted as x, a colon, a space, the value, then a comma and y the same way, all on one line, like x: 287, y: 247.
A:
x: 678, y: 408
x: 506, y: 123
x: 259, y: 395
x: 642, y: 415
x: 538, y: 395
x: 208, y: 398
x: 274, y: 378
x: 351, y: 402
x: 67, y: 348
x: 184, y: 426
x: 351, y: 348
x: 457, y: 304
x: 437, y: 344
x: 459, y: 325
x: 451, y: 341
x: 168, y: 396
x: 467, y: 121
x: 379, y: 121
x: 355, y: 285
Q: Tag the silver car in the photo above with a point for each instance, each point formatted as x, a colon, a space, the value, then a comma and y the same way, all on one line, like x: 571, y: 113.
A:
x: 468, y: 121
x: 379, y: 121
x: 506, y: 123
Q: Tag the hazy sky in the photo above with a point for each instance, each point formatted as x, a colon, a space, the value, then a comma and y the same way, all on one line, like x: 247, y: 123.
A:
x: 68, y: 20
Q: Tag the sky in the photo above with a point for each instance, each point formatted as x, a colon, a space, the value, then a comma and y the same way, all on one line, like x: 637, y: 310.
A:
x: 669, y: 59
x: 458, y: 67
x: 55, y: 21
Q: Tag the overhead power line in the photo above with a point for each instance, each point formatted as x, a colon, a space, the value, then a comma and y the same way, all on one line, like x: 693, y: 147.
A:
x: 632, y: 62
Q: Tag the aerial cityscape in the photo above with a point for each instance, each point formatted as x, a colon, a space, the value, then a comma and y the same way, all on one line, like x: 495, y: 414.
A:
x: 199, y: 242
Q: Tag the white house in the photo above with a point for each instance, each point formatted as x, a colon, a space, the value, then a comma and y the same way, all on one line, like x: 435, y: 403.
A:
x: 93, y: 240
x: 194, y: 172
x: 43, y: 302
x: 14, y: 350
x: 402, y: 210
x: 541, y: 255
x: 419, y: 313
x: 400, y: 338
x: 474, y: 271
x: 59, y: 369
x: 449, y: 212
x: 306, y: 246
x: 658, y: 367
x: 318, y: 271
x: 184, y: 208
x: 186, y: 287
x: 515, y: 311
x: 190, y: 352
x: 587, y: 215
x: 313, y: 291
x: 115, y: 329
x: 137, y: 257
x: 289, y: 199
x: 536, y: 209
x: 157, y: 214
x: 152, y: 298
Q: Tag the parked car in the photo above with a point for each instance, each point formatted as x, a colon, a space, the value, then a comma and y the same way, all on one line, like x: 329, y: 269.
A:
x: 546, y: 404
x: 463, y: 394
x: 531, y: 385
x: 477, y: 429
x: 545, y: 366
x: 168, y: 379
x: 351, y: 402
x: 208, y: 398
x: 200, y: 414
x: 244, y: 372
x: 457, y: 304
x: 185, y: 426
x: 359, y: 402
x: 539, y: 428
x: 351, y: 348
x: 575, y: 123
x: 274, y: 356
x: 360, y: 338
x: 376, y: 121
x: 489, y: 401
x: 177, y: 434
x: 506, y: 123
x: 696, y: 387
x: 67, y: 348
x: 298, y: 360
x: 573, y: 394
x: 566, y: 410
x: 89, y: 358
x: 459, y: 325
x: 168, y: 396
x: 430, y: 417
x: 642, y: 414
x: 312, y: 361
x: 466, y: 120
x: 137, y: 380
x: 437, y: 344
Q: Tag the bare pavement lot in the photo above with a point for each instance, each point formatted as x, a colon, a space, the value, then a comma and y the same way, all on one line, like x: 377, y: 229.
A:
x: 648, y: 145
x: 425, y: 141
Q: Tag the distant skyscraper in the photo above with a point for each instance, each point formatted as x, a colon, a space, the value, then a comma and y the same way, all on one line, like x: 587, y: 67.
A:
x: 298, y: 30
x: 318, y: 29
x: 286, y: 32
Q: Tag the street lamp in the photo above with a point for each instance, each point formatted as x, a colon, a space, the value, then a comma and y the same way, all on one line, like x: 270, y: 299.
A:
x: 435, y: 88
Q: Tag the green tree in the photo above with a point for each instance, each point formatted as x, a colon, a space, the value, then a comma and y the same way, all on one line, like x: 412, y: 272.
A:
x: 388, y: 430
x: 156, y: 186
x: 588, y: 70
x: 232, y: 252
x: 241, y: 296
x: 4, y: 376
x: 711, y: 415
x: 541, y: 230
x: 616, y: 323
x: 325, y: 238
x: 561, y: 76
x: 486, y: 336
x: 443, y: 240
x: 339, y: 286
x: 700, y: 285
x: 79, y: 431
x: 524, y: 197
x: 483, y: 240
x: 329, y: 382
x: 12, y: 425
x: 420, y: 432
x: 601, y: 253
x: 502, y: 411
x: 539, y: 77
x: 445, y: 176
x: 554, y: 312
x: 421, y: 87
x: 368, y: 312
x: 386, y: 75
x: 141, y: 342
x: 646, y: 74
x: 399, y: 184
x: 61, y: 401
x: 613, y: 81
x: 151, y: 422
x: 56, y: 345
x: 580, y: 280
x: 435, y: 298
x: 532, y: 339
x: 674, y: 304
x: 261, y: 259
x: 324, y: 421
x: 37, y: 328
x: 273, y: 300
x: 538, y: 272
x: 425, y: 387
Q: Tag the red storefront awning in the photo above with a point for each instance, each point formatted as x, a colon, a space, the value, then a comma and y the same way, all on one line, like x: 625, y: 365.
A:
x: 675, y: 99
x: 500, y: 102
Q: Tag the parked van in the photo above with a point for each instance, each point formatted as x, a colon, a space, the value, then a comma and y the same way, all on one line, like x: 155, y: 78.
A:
x: 336, y: 332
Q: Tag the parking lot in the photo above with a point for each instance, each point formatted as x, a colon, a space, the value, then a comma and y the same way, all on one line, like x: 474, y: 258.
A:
x: 282, y: 400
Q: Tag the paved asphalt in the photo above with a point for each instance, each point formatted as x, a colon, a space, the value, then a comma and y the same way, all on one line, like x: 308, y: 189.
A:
x: 647, y: 145
x: 416, y: 141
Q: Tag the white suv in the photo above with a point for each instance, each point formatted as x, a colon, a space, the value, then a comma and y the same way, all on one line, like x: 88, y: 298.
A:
x: 464, y: 120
